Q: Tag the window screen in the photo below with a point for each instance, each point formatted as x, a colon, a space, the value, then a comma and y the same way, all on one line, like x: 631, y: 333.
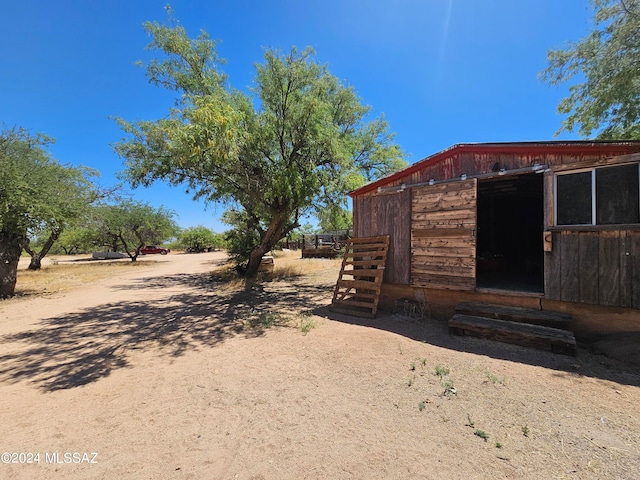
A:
x: 574, y: 199
x: 617, y: 195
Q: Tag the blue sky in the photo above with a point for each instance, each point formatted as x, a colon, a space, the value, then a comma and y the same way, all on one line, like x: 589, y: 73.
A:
x: 442, y: 71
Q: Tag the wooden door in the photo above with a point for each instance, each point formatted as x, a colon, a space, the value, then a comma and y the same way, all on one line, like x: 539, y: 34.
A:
x: 443, y: 235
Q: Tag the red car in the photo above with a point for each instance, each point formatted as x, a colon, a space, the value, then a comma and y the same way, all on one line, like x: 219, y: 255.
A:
x: 149, y: 249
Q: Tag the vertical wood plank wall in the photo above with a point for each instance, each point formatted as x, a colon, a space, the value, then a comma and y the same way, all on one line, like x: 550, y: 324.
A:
x: 600, y: 267
x: 388, y: 214
x: 443, y: 235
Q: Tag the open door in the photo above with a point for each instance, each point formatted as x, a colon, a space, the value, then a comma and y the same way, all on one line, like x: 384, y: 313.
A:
x: 510, y: 233
x: 443, y: 235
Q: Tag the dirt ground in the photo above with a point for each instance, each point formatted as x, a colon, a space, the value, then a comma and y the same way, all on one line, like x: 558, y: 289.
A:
x: 165, y: 371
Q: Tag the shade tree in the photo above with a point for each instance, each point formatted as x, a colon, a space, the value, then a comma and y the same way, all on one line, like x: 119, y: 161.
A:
x: 605, y: 66
x: 298, y: 142
x: 199, y: 238
x: 129, y: 225
x: 37, y: 195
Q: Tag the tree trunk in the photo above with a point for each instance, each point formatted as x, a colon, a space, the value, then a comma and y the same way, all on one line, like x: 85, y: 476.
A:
x: 133, y: 256
x: 10, y: 248
x: 273, y: 234
x: 36, y: 257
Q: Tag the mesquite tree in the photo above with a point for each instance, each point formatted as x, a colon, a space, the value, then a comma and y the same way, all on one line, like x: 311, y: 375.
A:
x: 37, y: 194
x: 299, y: 143
x: 607, y: 61
x: 130, y: 225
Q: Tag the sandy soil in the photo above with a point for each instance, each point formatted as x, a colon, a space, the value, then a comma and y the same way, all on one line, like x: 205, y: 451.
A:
x: 164, y: 373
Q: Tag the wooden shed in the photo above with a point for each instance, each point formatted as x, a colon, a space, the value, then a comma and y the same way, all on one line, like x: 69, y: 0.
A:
x: 545, y: 225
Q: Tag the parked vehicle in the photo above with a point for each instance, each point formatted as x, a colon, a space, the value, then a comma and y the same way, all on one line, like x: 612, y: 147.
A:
x: 150, y: 249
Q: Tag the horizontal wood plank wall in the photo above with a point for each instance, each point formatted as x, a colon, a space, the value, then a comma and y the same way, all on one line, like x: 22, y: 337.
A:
x: 443, y: 240
x: 595, y: 267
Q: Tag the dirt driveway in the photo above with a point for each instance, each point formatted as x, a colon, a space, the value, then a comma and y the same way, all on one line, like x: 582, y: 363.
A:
x: 164, y: 373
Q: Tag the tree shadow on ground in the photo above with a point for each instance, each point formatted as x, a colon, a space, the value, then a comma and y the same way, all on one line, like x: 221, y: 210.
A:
x: 435, y: 332
x: 80, y: 348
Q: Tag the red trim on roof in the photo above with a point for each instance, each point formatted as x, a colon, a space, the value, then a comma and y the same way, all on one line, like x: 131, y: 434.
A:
x: 568, y: 147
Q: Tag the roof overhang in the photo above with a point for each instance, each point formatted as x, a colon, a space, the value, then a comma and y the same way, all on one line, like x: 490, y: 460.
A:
x: 575, y: 147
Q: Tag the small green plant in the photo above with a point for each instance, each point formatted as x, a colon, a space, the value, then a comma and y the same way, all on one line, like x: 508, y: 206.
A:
x: 267, y: 319
x: 525, y: 430
x: 306, y: 324
x: 470, y: 422
x: 255, y: 319
x: 442, y: 371
x: 413, y: 366
x: 422, y: 406
x: 498, y: 445
x: 482, y: 434
x: 410, y: 382
x: 449, y: 390
x: 494, y: 379
x: 424, y: 362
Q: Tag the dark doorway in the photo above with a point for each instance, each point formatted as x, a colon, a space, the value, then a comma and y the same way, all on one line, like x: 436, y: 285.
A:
x: 510, y: 224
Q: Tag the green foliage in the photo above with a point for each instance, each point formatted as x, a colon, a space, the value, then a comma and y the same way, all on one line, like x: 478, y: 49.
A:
x: 608, y: 59
x: 76, y: 240
x: 36, y: 192
x: 306, y: 321
x: 197, y: 239
x: 242, y: 236
x: 335, y: 218
x: 495, y: 379
x: 219, y: 241
x: 298, y: 145
x: 304, y: 229
x: 254, y: 319
x: 131, y: 225
x: 441, y: 371
x: 38, y: 197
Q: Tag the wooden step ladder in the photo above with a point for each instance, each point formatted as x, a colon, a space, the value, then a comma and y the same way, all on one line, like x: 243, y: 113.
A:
x: 364, y: 261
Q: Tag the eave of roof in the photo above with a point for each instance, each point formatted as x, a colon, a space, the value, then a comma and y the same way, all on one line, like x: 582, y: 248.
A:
x: 560, y: 146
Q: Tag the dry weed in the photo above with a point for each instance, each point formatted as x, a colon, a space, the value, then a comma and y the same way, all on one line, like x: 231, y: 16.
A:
x: 287, y: 265
x: 61, y: 277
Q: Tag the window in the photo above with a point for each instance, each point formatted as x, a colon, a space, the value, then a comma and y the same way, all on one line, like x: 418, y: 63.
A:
x: 599, y: 196
x: 617, y: 198
x: 574, y: 199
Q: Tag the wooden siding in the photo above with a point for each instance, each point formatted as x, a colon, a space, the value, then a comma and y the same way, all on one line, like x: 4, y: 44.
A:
x: 457, y: 163
x: 390, y: 214
x: 585, y: 265
x: 597, y: 267
x: 443, y: 240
